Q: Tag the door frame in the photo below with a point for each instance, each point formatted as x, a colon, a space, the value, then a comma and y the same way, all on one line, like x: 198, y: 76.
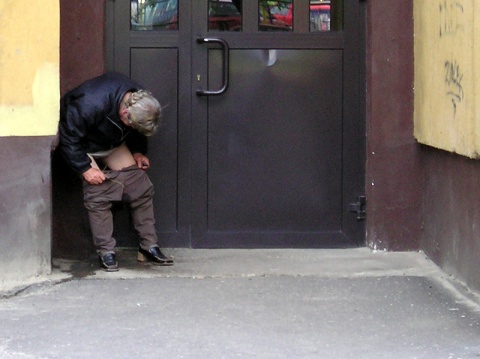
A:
x: 192, y: 163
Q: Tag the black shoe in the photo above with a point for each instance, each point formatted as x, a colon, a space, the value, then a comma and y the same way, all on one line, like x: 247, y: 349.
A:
x: 108, y: 262
x: 155, y: 256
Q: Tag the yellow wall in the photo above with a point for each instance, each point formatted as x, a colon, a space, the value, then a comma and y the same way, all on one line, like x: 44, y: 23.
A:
x: 29, y: 67
x: 446, y: 83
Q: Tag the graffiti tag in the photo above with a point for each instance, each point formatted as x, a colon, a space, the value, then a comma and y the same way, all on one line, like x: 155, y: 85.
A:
x: 451, y: 16
x: 453, y: 80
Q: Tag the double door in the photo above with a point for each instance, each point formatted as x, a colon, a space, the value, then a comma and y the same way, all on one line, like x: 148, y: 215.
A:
x: 263, y: 139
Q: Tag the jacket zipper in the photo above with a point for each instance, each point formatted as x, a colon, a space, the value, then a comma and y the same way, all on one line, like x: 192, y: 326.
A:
x: 120, y: 128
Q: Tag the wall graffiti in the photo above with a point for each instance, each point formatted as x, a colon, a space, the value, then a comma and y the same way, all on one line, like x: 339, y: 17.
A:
x: 453, y: 80
x: 451, y: 16
x: 451, y: 25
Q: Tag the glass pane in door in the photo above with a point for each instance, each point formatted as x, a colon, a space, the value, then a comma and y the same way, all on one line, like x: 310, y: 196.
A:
x: 275, y: 15
x: 326, y: 15
x: 153, y: 15
x: 225, y: 15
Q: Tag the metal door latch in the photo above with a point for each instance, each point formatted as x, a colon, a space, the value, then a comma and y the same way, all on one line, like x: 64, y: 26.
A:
x: 359, y: 207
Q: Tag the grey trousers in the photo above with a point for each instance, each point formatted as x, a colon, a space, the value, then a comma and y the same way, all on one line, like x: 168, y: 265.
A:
x: 130, y: 185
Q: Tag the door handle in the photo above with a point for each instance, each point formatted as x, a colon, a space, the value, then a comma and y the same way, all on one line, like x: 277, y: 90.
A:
x: 225, y: 63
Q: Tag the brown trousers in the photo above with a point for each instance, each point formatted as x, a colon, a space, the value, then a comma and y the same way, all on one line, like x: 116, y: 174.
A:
x: 131, y: 185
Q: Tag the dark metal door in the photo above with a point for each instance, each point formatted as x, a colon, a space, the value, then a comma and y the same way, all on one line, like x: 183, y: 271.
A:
x: 264, y: 140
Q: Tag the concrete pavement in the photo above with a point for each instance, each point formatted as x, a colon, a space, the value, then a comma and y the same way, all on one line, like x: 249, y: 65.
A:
x: 348, y: 303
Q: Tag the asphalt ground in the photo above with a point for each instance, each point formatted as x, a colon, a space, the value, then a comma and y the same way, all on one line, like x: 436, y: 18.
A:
x: 352, y: 303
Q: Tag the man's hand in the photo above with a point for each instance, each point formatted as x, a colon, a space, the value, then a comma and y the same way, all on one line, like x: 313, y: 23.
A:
x: 94, y: 176
x: 142, y: 161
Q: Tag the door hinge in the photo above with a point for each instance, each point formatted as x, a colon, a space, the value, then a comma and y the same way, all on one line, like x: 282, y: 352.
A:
x: 358, y: 207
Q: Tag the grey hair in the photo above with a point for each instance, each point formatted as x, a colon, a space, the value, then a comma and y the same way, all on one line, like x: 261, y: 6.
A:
x: 145, y: 112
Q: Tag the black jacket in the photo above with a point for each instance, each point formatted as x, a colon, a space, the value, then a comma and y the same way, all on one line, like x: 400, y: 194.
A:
x: 89, y: 120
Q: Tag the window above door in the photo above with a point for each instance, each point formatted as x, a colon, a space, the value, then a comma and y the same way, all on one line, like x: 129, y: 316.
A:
x: 315, y: 16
